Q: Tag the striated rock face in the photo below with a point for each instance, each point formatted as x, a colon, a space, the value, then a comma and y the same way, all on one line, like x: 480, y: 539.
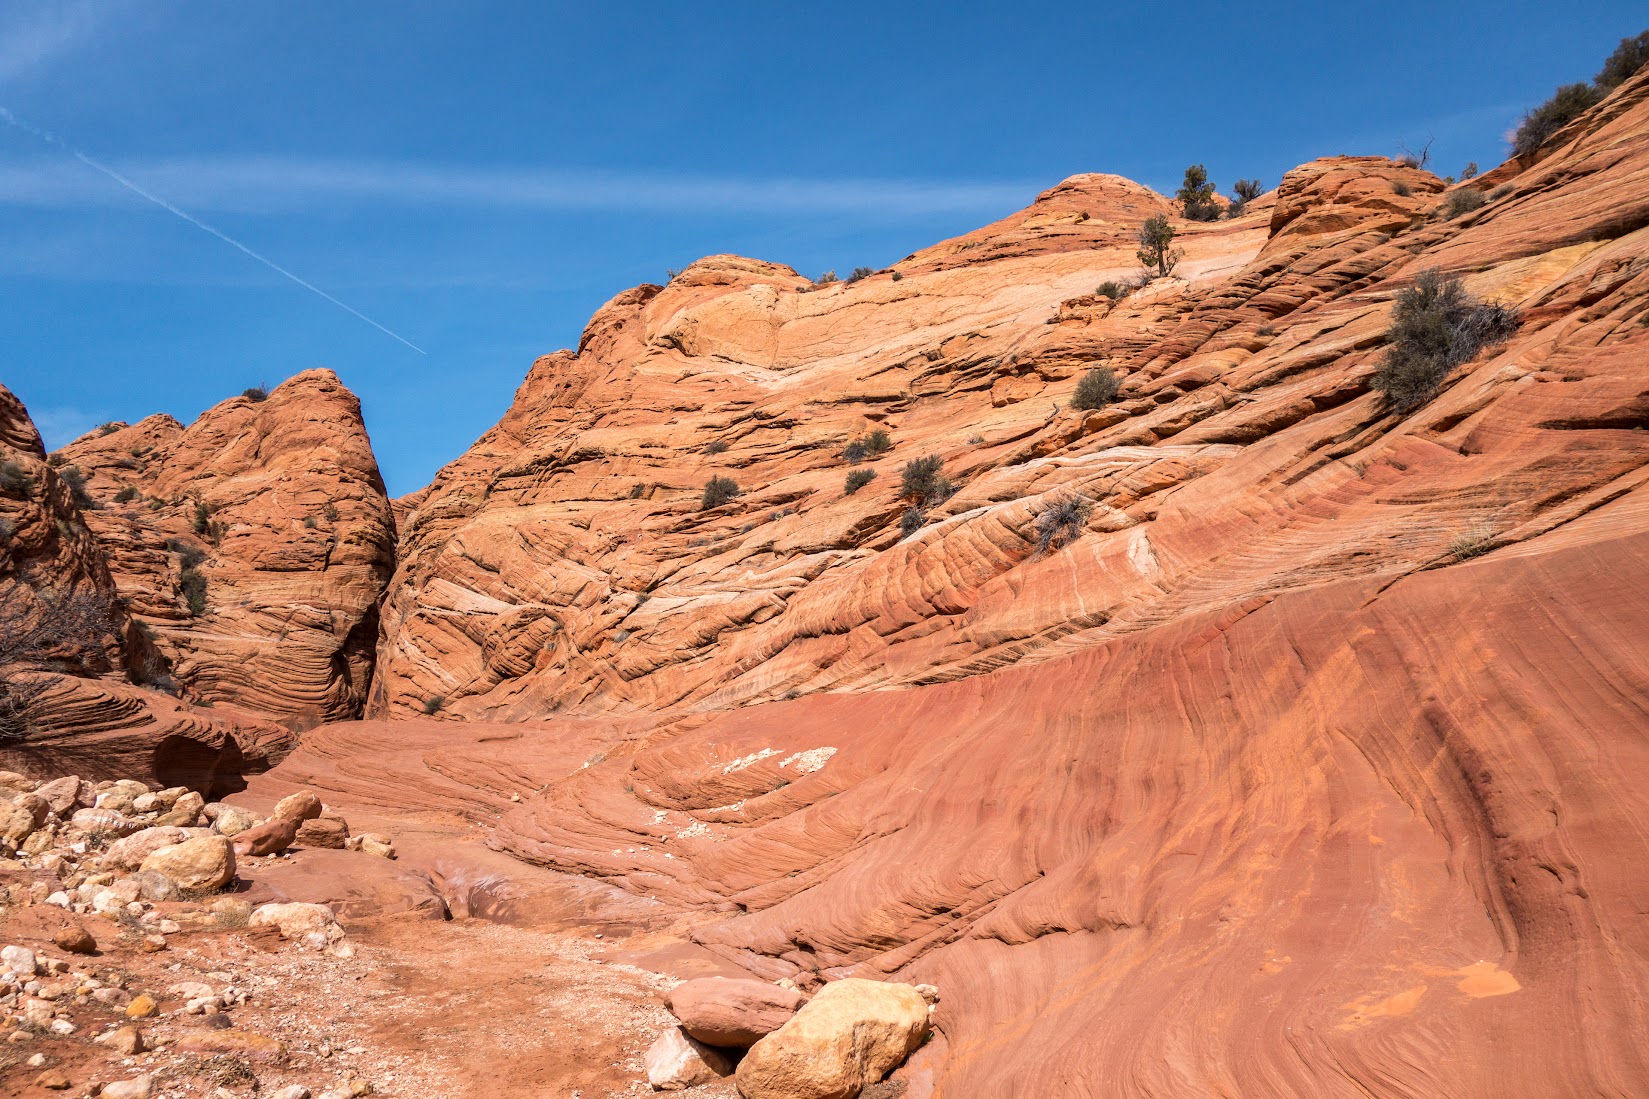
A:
x: 85, y: 713
x: 1309, y: 763
x: 278, y: 507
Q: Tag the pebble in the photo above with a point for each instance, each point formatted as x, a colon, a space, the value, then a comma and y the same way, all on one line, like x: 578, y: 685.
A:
x: 142, y: 1007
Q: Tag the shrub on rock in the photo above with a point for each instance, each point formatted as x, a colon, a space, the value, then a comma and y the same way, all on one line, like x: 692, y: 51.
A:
x: 1436, y: 326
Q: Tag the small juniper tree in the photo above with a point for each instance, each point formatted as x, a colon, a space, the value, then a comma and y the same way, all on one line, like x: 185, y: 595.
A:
x: 1096, y: 389
x: 1196, y: 195
x: 1248, y: 189
x: 1156, y: 251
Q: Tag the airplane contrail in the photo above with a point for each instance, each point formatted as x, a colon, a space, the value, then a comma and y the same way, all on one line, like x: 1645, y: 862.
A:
x: 54, y: 140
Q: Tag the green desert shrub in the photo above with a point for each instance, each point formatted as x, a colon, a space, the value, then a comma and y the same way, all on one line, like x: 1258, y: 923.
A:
x: 826, y: 279
x: 874, y: 445
x: 1112, y: 289
x: 923, y: 481
x: 1463, y: 201
x: 1631, y: 55
x: 192, y: 585
x: 1436, y: 326
x: 718, y: 491
x: 716, y: 446
x: 861, y: 273
x: 1566, y: 104
x: 76, y: 482
x: 127, y: 494
x: 1062, y: 522
x: 858, y: 479
x: 433, y: 704
x: 15, y: 480
x: 256, y: 393
x: 912, y: 521
x: 1096, y: 389
x: 1248, y: 189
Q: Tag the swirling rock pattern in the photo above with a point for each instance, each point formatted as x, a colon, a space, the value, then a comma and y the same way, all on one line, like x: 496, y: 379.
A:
x: 282, y: 501
x: 91, y: 718
x: 1313, y: 767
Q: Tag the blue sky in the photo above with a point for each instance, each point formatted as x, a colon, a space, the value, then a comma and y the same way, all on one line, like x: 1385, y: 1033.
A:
x: 479, y: 177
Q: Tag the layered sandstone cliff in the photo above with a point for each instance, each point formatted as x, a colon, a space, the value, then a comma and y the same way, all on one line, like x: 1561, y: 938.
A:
x: 1313, y: 767
x: 276, y: 507
x: 80, y: 679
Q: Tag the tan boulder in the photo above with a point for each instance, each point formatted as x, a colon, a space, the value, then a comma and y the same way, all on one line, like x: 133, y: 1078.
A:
x: 185, y: 811
x: 230, y: 820
x: 676, y: 1061
x: 328, y: 832
x: 269, y: 838
x: 728, y: 1012
x: 298, y: 807
x: 853, y: 1033
x: 105, y: 821
x: 16, y: 824
x: 37, y: 807
x: 61, y: 794
x: 314, y: 924
x: 205, y: 862
x: 129, y: 853
x: 13, y: 783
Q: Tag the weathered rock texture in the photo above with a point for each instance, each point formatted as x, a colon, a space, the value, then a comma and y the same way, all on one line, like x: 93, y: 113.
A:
x: 281, y: 505
x: 88, y: 715
x: 1314, y: 767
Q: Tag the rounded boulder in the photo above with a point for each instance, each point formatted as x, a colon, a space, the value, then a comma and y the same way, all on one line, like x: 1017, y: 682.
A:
x: 722, y: 1011
x: 850, y: 1035
x: 196, y: 865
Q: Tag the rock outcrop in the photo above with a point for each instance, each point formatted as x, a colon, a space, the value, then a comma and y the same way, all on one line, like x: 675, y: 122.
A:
x: 1314, y: 749
x: 82, y: 677
x: 273, y: 511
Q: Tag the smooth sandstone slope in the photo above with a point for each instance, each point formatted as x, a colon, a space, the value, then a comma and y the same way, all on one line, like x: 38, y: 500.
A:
x: 95, y: 717
x: 282, y: 501
x: 1314, y: 768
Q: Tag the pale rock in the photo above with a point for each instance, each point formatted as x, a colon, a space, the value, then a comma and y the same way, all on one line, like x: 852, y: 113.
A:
x: 232, y: 820
x: 19, y: 960
x: 202, y: 863
x: 156, y: 887
x: 138, y: 1087
x: 291, y: 1091
x: 311, y: 923
x: 62, y: 794
x: 851, y: 1034
x: 676, y: 1061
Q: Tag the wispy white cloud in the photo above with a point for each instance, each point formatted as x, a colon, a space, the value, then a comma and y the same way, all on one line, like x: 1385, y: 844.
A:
x: 33, y: 35
x: 274, y: 184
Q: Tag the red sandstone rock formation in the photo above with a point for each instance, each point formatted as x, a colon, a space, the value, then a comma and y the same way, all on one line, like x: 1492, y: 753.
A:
x: 1312, y: 767
x: 84, y: 713
x: 282, y: 503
